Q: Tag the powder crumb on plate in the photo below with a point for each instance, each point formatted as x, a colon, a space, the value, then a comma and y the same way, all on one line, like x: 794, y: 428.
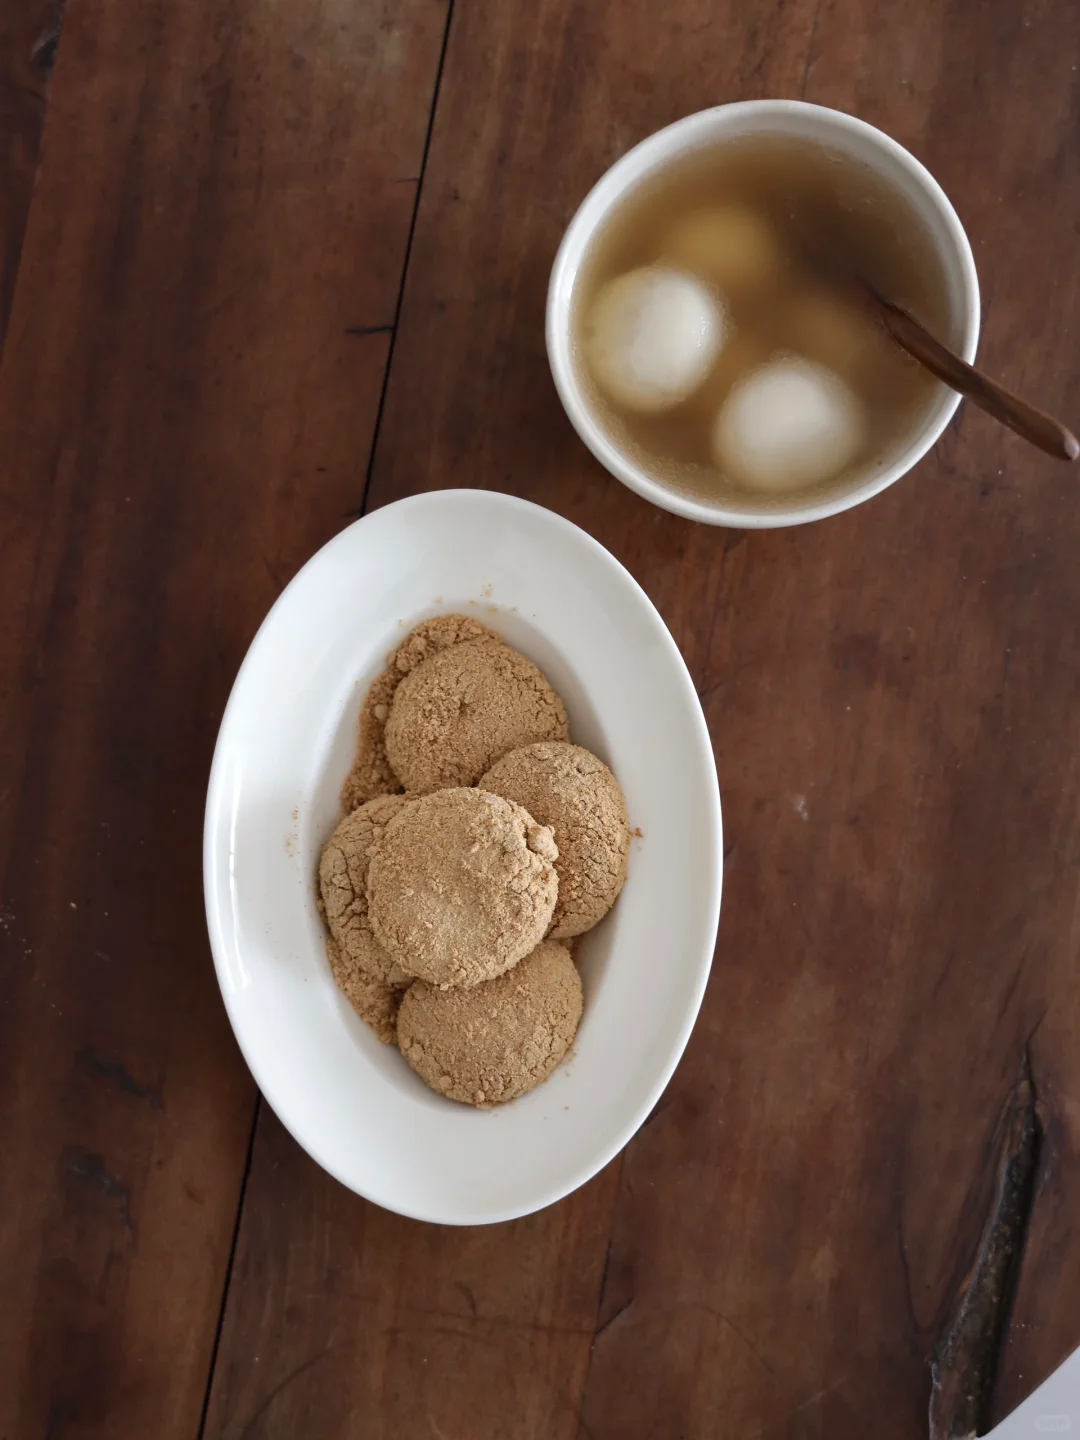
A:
x: 570, y: 789
x: 498, y: 1040
x: 461, y: 886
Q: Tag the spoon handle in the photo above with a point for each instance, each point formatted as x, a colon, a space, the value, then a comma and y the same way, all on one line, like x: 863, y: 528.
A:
x: 1028, y: 422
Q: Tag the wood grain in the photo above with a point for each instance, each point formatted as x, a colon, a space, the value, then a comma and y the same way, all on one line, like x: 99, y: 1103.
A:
x: 892, y: 696
x: 185, y: 414
x: 29, y: 34
x: 346, y: 1320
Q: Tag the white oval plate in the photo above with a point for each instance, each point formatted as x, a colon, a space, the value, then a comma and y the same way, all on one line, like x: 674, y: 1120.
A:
x: 286, y: 743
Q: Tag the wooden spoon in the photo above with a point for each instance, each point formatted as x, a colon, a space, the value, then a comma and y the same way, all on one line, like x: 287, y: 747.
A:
x: 1031, y: 424
x: 1041, y: 430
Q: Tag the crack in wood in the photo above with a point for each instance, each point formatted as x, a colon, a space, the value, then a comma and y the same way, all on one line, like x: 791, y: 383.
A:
x: 611, y: 1320
x: 964, y: 1367
x: 604, y: 1272
x: 43, y: 50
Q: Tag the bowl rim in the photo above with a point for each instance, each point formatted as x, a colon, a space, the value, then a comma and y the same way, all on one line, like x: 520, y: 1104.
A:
x: 646, y: 157
x: 216, y: 895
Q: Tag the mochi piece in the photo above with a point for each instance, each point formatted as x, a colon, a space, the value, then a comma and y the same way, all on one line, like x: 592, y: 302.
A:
x: 787, y: 426
x: 729, y: 246
x: 652, y: 336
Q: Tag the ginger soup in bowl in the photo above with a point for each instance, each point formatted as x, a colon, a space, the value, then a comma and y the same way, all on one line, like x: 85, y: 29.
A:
x: 701, y: 338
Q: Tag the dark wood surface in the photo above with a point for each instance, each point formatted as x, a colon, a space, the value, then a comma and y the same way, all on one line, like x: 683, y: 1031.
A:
x: 225, y: 191
x: 29, y: 36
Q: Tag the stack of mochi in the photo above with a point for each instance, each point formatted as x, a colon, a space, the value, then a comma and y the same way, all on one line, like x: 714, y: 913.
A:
x: 478, y: 843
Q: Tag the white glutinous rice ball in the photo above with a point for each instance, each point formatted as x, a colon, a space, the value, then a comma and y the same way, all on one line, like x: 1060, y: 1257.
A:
x: 730, y: 246
x: 788, y: 425
x: 652, y: 336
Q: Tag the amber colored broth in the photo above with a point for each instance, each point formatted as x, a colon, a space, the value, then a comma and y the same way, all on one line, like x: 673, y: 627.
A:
x: 810, y: 194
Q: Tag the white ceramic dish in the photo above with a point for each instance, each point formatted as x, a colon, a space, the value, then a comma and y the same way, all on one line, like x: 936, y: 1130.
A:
x: 285, y: 745
x: 827, y: 127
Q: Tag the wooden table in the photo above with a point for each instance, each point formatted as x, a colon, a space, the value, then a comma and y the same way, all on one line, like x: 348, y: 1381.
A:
x: 264, y: 266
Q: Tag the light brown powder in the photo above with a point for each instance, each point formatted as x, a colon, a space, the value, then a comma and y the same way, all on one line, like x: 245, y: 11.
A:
x: 464, y: 707
x: 461, y: 886
x: 372, y: 773
x: 376, y: 1004
x: 343, y: 872
x: 498, y: 1040
x: 568, y: 788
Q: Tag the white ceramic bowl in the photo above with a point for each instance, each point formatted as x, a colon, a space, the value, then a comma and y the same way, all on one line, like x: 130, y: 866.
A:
x: 286, y: 743
x: 727, y: 122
